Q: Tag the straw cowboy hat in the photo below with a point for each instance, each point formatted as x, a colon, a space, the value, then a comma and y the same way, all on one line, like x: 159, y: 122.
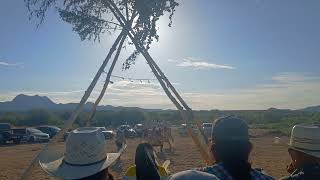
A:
x: 85, y: 155
x: 306, y: 138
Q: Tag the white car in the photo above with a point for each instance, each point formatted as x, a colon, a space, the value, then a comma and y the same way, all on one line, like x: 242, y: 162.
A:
x: 207, y: 128
x: 139, y: 129
x: 183, y: 130
x: 35, y: 135
x: 108, y: 134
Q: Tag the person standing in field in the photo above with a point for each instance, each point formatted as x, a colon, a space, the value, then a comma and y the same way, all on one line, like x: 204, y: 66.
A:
x: 304, y: 149
x: 120, y: 139
x: 85, y: 157
x: 231, y: 149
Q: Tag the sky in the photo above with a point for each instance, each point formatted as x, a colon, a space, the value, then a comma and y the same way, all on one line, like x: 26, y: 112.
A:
x: 219, y: 54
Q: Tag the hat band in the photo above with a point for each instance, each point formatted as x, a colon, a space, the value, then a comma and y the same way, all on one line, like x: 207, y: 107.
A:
x: 306, y: 140
x: 88, y: 164
x: 303, y: 149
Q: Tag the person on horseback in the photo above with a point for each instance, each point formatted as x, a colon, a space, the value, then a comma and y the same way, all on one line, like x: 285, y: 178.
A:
x: 120, y: 139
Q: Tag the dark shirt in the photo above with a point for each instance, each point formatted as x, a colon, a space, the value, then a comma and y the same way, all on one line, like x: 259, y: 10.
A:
x: 309, y: 172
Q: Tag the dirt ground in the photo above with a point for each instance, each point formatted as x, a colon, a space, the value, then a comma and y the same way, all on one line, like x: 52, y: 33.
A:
x: 271, y: 157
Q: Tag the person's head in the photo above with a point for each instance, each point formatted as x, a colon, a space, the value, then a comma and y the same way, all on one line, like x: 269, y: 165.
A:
x: 304, y: 146
x: 102, y: 175
x: 85, y: 157
x: 231, y: 146
x: 146, y: 165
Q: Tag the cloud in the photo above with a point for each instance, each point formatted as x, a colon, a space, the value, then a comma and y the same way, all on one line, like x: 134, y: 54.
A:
x: 292, y: 77
x: 6, y: 64
x: 284, y: 90
x: 199, y: 64
x: 172, y: 60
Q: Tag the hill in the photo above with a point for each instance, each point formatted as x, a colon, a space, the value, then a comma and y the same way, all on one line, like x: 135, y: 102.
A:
x: 312, y: 109
x: 24, y: 103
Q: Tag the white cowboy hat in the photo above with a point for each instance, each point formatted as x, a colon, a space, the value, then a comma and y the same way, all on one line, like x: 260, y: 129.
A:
x: 306, y: 138
x: 85, y: 155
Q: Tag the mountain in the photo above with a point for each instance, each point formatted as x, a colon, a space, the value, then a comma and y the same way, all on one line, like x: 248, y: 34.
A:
x: 24, y: 103
x: 312, y: 109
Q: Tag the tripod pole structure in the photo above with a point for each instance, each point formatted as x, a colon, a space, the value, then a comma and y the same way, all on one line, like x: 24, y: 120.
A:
x: 187, y: 116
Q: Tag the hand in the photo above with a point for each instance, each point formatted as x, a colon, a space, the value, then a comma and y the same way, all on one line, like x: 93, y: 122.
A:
x: 291, y: 168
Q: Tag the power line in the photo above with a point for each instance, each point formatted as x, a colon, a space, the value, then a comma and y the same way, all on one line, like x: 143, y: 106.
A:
x: 133, y: 79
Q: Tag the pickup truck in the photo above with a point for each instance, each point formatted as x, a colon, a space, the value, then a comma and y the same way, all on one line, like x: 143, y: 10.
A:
x: 7, y: 134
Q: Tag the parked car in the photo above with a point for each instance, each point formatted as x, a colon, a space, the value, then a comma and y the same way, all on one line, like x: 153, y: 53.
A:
x: 51, y: 130
x: 66, y: 134
x: 207, y: 128
x: 128, y: 131
x: 7, y: 134
x: 21, y: 133
x: 35, y: 135
x: 108, y: 134
x: 139, y: 129
x: 183, y: 131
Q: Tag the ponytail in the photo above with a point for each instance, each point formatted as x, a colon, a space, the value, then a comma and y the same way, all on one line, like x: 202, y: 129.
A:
x: 234, y: 157
x: 146, y: 165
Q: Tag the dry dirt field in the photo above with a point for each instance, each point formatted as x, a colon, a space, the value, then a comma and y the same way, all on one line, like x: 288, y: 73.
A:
x: 267, y: 155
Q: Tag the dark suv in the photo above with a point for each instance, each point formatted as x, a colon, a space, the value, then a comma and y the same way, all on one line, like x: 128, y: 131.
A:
x: 51, y: 130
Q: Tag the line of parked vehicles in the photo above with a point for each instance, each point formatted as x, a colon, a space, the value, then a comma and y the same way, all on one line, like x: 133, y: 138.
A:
x: 45, y: 133
x: 206, y: 128
x: 29, y: 134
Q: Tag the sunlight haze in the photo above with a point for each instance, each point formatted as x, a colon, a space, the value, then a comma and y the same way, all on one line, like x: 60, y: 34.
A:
x: 252, y: 54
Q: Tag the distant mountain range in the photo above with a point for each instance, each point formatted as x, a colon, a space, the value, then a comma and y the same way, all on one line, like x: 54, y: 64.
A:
x: 24, y: 103
x: 312, y: 109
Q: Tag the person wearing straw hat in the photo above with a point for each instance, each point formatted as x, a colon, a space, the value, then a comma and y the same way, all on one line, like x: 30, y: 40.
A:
x: 85, y: 157
x: 304, y: 149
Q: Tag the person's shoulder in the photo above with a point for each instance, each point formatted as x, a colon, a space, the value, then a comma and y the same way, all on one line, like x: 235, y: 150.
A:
x: 298, y: 176
x: 294, y: 177
x: 191, y: 175
x: 209, y: 169
x: 260, y: 174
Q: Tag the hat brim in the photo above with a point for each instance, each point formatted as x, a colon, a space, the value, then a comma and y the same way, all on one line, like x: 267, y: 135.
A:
x: 64, y: 170
x: 311, y: 153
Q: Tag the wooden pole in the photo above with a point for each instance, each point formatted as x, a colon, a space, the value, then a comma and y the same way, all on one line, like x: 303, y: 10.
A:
x: 106, y: 83
x: 68, y: 123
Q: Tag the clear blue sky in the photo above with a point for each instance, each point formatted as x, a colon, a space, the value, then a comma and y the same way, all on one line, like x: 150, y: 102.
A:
x: 220, y: 54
